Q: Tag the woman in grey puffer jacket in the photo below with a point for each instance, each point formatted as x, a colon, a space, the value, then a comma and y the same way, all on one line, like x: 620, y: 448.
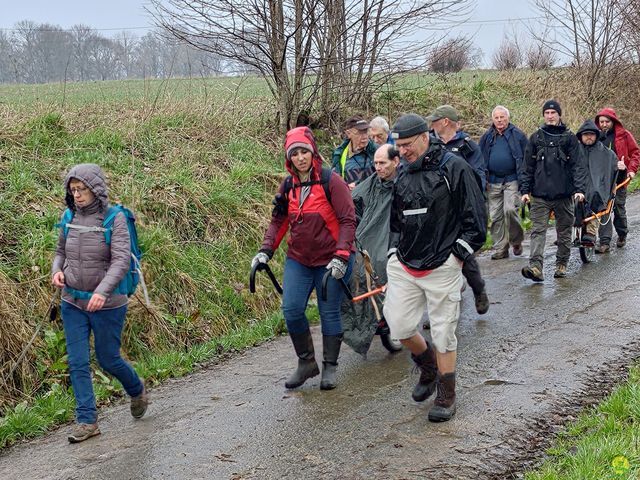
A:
x: 86, y: 266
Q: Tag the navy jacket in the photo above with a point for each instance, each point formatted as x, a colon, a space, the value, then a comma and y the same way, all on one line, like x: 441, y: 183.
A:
x: 517, y: 141
x: 462, y: 145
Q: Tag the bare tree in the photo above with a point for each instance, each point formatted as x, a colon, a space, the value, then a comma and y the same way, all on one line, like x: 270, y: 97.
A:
x: 81, y: 38
x: 538, y: 56
x: 451, y: 56
x: 125, y: 44
x: 631, y: 33
x: 508, y: 56
x: 587, y: 32
x: 309, y: 51
x: 7, y: 57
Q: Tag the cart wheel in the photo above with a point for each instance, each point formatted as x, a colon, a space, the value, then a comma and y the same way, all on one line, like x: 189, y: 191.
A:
x: 586, y: 254
x: 390, y: 344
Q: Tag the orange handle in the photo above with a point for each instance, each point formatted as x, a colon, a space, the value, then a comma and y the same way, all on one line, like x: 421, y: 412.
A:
x: 610, y: 204
x: 373, y: 292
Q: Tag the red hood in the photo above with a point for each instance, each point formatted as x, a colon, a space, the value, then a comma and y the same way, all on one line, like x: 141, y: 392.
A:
x: 303, y: 135
x: 608, y: 112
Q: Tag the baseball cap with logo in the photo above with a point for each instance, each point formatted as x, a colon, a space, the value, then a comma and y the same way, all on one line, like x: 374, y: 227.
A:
x: 444, y: 111
x: 356, y: 122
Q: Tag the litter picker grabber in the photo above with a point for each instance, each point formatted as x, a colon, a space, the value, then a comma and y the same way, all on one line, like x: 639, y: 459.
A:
x: 611, y: 202
x: 252, y: 277
x: 381, y: 327
x: 587, y: 250
x: 347, y: 290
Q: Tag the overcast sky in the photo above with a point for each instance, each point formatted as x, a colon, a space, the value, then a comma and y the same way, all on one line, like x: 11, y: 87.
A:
x: 488, y: 23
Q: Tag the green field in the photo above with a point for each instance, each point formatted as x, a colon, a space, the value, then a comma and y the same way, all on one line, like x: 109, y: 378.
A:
x: 132, y: 92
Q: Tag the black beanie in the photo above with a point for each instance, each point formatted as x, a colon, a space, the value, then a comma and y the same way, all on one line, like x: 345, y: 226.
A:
x: 409, y: 125
x: 552, y: 105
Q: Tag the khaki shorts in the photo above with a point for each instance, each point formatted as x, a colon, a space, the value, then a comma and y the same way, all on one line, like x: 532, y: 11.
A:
x: 407, y: 297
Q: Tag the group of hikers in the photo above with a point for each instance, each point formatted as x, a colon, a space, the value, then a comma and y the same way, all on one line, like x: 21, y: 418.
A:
x: 413, y: 197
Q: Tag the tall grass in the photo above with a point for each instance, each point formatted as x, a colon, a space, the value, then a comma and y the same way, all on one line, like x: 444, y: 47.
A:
x: 199, y: 183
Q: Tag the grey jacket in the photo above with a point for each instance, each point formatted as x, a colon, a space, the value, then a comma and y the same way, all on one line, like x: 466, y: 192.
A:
x: 88, y: 263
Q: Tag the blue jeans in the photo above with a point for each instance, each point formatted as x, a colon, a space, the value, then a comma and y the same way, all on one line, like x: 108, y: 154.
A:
x: 298, y: 283
x: 107, y: 328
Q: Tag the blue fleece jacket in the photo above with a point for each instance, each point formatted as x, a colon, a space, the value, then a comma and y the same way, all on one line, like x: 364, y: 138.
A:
x: 517, y: 142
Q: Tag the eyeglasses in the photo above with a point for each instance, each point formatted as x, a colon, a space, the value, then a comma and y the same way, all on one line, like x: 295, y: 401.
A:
x: 79, y: 190
x: 405, y: 146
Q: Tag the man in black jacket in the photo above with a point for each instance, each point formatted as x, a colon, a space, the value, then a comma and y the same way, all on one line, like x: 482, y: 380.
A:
x: 554, y: 175
x: 438, y: 221
x: 444, y: 124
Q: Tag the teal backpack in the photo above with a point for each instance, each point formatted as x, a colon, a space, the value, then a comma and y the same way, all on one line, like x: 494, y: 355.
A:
x: 129, y: 283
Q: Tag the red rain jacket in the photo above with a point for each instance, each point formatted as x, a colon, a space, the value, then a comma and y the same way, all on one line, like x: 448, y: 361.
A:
x: 320, y: 229
x: 624, y: 143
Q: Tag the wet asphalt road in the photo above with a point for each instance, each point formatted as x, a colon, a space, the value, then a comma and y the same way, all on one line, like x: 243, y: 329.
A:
x: 538, y: 344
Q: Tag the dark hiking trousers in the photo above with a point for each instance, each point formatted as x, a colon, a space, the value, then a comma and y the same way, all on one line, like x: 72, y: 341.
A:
x: 471, y: 271
x: 540, y: 212
x: 619, y: 219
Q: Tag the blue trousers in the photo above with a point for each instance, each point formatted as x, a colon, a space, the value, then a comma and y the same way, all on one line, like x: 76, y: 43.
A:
x: 298, y: 283
x: 106, y: 326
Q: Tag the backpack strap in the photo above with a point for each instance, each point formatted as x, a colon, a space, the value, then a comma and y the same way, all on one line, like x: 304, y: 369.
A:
x: 109, y: 218
x: 464, y: 148
x: 325, y: 178
x: 447, y: 155
x: 79, y: 294
x: 65, y: 221
x: 288, y: 185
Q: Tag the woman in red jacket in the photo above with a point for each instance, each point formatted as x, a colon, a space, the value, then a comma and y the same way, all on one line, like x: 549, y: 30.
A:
x: 322, y: 224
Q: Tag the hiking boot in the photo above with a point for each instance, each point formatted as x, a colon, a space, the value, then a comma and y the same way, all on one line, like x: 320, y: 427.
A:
x: 588, y: 240
x: 444, y: 407
x: 603, y: 248
x: 331, y: 351
x: 561, y: 271
x: 83, y: 431
x: 517, y: 250
x: 622, y: 241
x: 307, y: 365
x: 426, y: 363
x: 533, y: 273
x: 500, y: 254
x: 140, y: 403
x: 482, y: 302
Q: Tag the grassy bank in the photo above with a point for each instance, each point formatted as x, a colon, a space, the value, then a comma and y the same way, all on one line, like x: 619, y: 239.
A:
x: 604, y: 443
x: 197, y: 161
